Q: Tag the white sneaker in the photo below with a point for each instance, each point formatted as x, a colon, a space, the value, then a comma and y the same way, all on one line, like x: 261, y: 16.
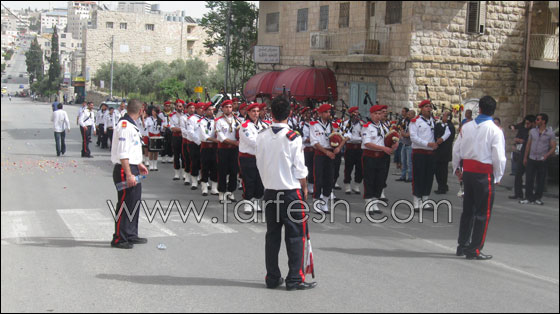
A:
x: 347, y: 188
x: 187, y: 178
x: 326, y: 199
x: 356, y: 189
x: 247, y: 208
x: 416, y: 202
x: 310, y: 188
x: 194, y: 182
x: 214, y: 190
x: 177, y: 173
x: 221, y: 196
x: 374, y: 207
x: 231, y: 196
x: 258, y: 202
x: 332, y: 197
x: 382, y: 194
x: 155, y: 165
x: 204, y: 186
x: 316, y: 206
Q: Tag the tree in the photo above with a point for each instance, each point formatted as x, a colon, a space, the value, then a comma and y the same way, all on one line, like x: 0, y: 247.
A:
x: 169, y: 88
x: 54, y: 66
x: 243, y: 36
x: 34, y: 61
x: 151, y: 75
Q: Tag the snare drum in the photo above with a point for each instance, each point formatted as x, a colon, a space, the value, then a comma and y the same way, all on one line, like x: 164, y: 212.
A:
x: 155, y: 144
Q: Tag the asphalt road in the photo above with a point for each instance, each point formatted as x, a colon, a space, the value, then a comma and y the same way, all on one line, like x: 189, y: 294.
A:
x: 16, y: 68
x: 56, y: 257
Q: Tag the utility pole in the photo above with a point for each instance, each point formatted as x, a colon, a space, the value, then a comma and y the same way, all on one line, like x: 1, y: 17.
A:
x: 227, y: 47
x: 112, y: 48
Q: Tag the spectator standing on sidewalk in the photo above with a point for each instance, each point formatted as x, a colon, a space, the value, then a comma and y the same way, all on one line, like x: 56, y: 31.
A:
x: 61, y: 124
x: 520, y: 145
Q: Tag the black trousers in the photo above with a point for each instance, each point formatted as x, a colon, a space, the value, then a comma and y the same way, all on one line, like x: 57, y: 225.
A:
x: 177, y: 152
x: 309, y: 158
x: 477, y: 208
x: 337, y: 163
x: 110, y: 136
x: 86, y: 139
x: 125, y: 228
x: 252, y: 184
x: 374, y: 176
x: 186, y: 156
x: 295, y: 236
x: 442, y: 172
x: 227, y: 165
x: 423, y: 167
x: 167, y: 144
x: 387, y: 161
x: 209, y: 168
x: 194, y: 156
x: 535, y: 170
x: 353, y: 160
x: 103, y: 138
x: 323, y: 172
x: 519, y: 172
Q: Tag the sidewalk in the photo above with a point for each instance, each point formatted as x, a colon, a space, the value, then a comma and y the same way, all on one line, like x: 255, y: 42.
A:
x: 508, y: 181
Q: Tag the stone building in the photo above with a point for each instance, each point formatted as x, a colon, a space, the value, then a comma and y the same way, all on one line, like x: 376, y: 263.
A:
x: 57, y: 17
x: 141, y: 39
x: 78, y: 15
x: 460, y: 49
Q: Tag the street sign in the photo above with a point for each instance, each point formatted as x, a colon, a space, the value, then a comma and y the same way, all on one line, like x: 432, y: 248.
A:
x: 198, y: 89
x: 267, y: 54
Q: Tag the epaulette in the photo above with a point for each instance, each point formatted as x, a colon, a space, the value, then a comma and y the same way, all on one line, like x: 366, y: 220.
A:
x: 292, y: 135
x: 199, y: 120
x: 172, y: 114
x: 366, y: 125
x: 313, y: 122
x: 414, y: 120
x: 124, y: 123
x: 246, y: 124
x: 218, y: 119
x: 362, y: 122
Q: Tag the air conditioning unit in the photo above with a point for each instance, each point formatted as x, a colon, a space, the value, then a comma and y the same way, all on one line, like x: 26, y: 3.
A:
x: 318, y: 41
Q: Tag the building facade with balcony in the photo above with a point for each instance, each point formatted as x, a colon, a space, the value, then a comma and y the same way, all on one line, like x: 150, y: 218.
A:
x: 141, y: 39
x: 394, y: 49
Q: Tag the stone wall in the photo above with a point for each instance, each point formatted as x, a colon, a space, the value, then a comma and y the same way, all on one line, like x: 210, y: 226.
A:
x: 139, y: 46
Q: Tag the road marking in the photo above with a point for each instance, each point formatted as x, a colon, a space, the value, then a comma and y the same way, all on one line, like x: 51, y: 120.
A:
x: 17, y: 226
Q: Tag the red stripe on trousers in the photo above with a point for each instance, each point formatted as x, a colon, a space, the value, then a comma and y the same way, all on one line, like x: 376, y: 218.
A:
x: 120, y: 209
x: 487, y: 215
x: 303, y: 239
x: 85, y: 151
x: 242, y: 179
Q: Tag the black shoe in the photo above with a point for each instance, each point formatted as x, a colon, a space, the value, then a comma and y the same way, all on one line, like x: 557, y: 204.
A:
x: 460, y: 251
x: 193, y: 188
x: 439, y: 192
x: 401, y: 180
x: 186, y: 183
x: 139, y: 241
x: 57, y: 155
x: 480, y: 257
x: 122, y: 245
x: 276, y: 285
x: 301, y: 286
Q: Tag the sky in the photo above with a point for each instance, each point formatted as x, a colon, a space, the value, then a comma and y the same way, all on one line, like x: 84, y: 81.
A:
x: 194, y: 9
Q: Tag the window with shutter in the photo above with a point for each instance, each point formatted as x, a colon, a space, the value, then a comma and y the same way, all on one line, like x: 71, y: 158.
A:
x: 272, y: 22
x: 324, y: 18
x: 476, y: 17
x: 302, y: 20
x: 344, y: 15
x: 393, y: 12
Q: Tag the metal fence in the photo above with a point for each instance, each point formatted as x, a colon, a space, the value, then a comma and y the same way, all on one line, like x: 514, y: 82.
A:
x: 544, y: 47
x: 350, y: 43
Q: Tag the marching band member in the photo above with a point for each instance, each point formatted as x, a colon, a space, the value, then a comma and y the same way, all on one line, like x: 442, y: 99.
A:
x: 252, y: 184
x: 226, y: 129
x: 111, y: 120
x: 481, y: 148
x: 308, y: 150
x: 208, y: 147
x: 242, y: 112
x: 353, y: 153
x: 189, y: 111
x: 100, y: 126
x: 153, y: 127
x: 175, y: 119
x: 374, y: 155
x: 141, y: 123
x: 194, y: 143
x: 86, y: 122
x: 167, y: 153
x: 423, y: 146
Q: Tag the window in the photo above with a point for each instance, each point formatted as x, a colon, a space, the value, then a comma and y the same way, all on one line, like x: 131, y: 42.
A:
x: 109, y: 25
x: 123, y: 26
x: 344, y: 15
x: 190, y: 29
x: 150, y: 27
x: 302, y: 20
x: 324, y: 18
x: 62, y: 35
x: 62, y: 44
x: 273, y: 22
x: 476, y: 17
x: 393, y: 14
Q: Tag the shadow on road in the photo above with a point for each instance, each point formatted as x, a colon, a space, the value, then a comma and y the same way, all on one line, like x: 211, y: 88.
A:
x: 58, y: 242
x: 182, y: 281
x: 390, y: 253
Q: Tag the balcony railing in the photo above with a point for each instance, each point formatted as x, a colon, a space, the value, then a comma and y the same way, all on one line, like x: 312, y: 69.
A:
x: 544, y: 47
x: 350, y: 43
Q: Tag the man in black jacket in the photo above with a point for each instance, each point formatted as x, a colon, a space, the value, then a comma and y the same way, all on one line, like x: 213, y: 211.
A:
x: 444, y: 153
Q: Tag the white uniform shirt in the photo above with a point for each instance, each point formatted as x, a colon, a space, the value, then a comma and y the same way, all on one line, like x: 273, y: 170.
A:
x: 60, y: 121
x: 248, y: 136
x: 306, y: 129
x: 226, y: 128
x: 165, y: 120
x: 374, y: 134
x: 141, y: 127
x: 111, y: 120
x: 280, y: 161
x: 484, y: 143
x: 87, y: 118
x: 206, y: 130
x: 152, y: 126
x: 422, y: 132
x: 353, y: 131
x: 320, y: 134
x: 127, y: 143
x: 122, y: 112
x: 100, y: 117
x: 183, y: 124
x: 175, y: 119
x: 192, y: 128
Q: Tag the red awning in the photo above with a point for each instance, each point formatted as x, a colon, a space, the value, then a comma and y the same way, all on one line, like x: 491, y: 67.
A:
x: 260, y: 83
x: 305, y: 83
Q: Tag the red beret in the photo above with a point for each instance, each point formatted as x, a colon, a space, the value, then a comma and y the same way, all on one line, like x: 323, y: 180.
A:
x: 424, y: 102
x: 242, y: 106
x: 209, y: 104
x: 375, y: 108
x: 353, y: 109
x: 205, y: 105
x: 383, y: 107
x: 325, y: 108
x: 235, y: 100
x: 227, y: 102
x: 253, y: 106
x: 189, y: 104
x: 262, y: 106
x: 167, y: 103
x: 304, y: 109
x: 180, y: 101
